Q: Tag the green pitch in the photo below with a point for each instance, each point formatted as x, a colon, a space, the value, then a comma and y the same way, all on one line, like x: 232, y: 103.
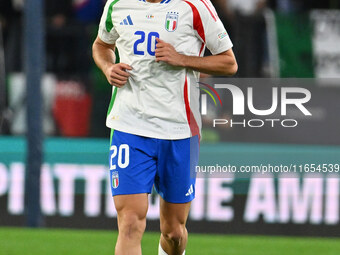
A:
x: 15, y: 241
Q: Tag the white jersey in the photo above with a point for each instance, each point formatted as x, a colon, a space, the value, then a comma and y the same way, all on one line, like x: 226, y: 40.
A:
x: 159, y: 100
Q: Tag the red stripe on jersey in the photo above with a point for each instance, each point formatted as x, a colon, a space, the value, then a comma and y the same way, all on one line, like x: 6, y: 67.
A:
x: 190, y: 116
x: 212, y: 13
x: 174, y: 25
x: 198, y: 25
x: 201, y: 50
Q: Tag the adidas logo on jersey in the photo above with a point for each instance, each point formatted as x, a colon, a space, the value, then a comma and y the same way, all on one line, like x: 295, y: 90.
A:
x: 127, y: 21
x: 190, y: 191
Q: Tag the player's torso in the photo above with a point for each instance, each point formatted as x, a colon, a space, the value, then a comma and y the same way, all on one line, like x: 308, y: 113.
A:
x: 138, y: 23
x: 153, y: 99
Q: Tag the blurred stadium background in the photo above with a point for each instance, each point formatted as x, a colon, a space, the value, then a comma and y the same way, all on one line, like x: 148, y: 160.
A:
x: 272, y: 39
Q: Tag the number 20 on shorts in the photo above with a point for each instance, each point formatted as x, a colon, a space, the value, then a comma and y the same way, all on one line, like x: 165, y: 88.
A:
x: 123, y: 153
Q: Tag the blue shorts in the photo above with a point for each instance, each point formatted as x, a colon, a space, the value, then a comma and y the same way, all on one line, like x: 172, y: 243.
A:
x: 137, y: 163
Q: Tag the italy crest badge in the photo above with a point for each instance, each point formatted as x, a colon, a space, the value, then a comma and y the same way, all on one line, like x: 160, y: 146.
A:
x: 171, y: 21
x: 115, y: 179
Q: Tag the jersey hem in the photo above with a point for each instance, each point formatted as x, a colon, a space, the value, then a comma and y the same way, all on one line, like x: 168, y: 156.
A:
x: 145, y: 133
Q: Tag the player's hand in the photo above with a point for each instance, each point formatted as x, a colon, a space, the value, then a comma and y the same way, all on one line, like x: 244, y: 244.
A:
x: 165, y: 52
x: 117, y: 74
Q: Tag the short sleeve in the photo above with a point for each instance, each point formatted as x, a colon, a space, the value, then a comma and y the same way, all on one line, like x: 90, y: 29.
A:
x: 216, y: 37
x: 107, y: 32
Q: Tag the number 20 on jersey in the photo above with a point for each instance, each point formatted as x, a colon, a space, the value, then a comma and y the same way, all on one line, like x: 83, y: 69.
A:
x: 149, y: 39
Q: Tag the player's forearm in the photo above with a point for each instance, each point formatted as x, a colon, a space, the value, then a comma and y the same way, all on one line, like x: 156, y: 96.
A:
x: 103, y: 55
x: 223, y: 64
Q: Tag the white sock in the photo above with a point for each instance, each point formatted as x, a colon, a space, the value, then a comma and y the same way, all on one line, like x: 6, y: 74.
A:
x: 162, y: 252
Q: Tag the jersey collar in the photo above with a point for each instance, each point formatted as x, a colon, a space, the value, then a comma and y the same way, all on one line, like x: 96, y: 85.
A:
x: 162, y: 2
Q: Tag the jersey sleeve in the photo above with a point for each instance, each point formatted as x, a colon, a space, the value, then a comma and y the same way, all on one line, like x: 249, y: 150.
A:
x: 214, y: 33
x: 107, y: 32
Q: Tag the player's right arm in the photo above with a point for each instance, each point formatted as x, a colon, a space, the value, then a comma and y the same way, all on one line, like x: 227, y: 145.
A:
x: 103, y: 49
x: 104, y: 57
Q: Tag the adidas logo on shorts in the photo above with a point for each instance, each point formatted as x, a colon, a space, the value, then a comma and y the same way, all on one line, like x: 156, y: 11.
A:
x: 190, y: 191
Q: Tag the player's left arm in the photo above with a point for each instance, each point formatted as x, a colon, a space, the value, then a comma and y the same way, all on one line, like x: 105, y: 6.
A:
x: 220, y: 64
